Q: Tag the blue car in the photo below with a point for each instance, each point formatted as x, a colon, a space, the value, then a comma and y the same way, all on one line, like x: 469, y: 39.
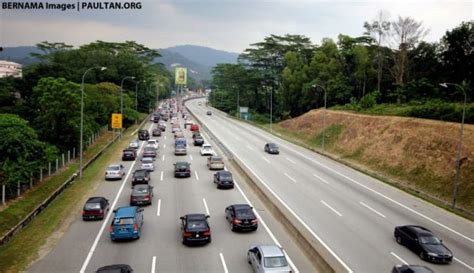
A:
x: 127, y: 223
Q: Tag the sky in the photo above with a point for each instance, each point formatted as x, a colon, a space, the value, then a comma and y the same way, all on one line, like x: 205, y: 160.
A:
x: 230, y: 25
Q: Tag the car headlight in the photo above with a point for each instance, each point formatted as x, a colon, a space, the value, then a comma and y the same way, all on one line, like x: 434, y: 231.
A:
x: 432, y: 254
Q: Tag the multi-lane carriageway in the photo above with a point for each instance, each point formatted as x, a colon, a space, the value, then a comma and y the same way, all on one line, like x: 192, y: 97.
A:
x: 86, y: 246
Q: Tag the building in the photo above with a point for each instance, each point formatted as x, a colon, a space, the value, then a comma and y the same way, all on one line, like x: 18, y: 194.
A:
x: 8, y: 68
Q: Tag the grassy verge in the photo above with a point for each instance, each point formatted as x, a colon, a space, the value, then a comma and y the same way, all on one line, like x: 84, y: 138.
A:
x: 24, y: 248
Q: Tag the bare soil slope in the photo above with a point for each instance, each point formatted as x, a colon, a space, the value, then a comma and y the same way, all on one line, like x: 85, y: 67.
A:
x: 418, y: 154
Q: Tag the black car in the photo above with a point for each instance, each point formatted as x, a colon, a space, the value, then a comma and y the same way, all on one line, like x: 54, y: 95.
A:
x: 156, y: 119
x: 195, y: 228
x: 162, y: 127
x: 129, y: 154
x: 411, y: 269
x: 198, y: 140
x: 241, y: 217
x: 115, y: 268
x: 424, y: 243
x: 272, y: 148
x: 142, y: 194
x: 149, y: 152
x: 182, y: 169
x: 156, y: 132
x: 95, y: 208
x: 208, y: 113
x: 223, y: 179
x: 140, y: 177
x: 143, y: 135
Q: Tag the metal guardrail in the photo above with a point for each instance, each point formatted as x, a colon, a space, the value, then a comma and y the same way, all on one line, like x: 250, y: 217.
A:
x: 18, y: 227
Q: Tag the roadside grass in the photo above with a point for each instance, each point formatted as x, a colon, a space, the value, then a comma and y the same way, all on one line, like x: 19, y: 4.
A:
x: 24, y: 248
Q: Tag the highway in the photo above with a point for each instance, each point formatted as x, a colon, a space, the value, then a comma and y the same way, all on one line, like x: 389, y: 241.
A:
x: 352, y: 213
x: 86, y: 246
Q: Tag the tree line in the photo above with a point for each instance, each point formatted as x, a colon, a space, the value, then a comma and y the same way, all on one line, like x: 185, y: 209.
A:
x: 40, y: 112
x: 389, y: 64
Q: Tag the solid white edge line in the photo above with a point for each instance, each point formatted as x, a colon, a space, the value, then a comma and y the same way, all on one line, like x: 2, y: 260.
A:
x: 290, y: 160
x: 372, y: 209
x: 161, y: 176
x: 289, y: 177
x: 463, y: 263
x: 153, y: 264
x: 320, y: 178
x: 158, y: 210
x: 223, y: 263
x: 164, y: 145
x: 197, y: 176
x: 106, y: 220
x: 331, y: 208
x: 163, y: 157
x: 165, y: 137
x: 400, y: 259
x: 268, y: 161
x: 191, y: 157
x: 205, y: 206
x: 265, y: 226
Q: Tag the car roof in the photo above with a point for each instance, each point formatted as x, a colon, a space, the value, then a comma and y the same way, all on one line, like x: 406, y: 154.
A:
x: 141, y: 170
x: 420, y: 229
x: 139, y: 186
x: 95, y: 199
x: 124, y: 212
x: 241, y: 206
x: 224, y: 172
x: 206, y: 145
x: 413, y: 269
x: 181, y: 162
x: 195, y: 216
x: 113, y: 165
x: 271, y: 250
x: 114, y: 268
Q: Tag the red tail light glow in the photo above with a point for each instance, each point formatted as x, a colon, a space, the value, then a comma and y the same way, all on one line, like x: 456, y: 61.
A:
x: 111, y: 228
x: 236, y: 221
x: 187, y: 234
x: 135, y: 227
x: 254, y: 221
x: 207, y: 233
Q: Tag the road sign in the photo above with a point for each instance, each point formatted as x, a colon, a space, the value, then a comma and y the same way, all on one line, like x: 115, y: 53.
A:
x: 180, y: 75
x: 116, y: 121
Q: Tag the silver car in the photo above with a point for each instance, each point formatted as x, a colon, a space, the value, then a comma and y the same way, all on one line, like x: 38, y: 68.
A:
x: 148, y: 164
x: 134, y: 144
x: 180, y: 150
x: 267, y: 258
x: 114, y: 171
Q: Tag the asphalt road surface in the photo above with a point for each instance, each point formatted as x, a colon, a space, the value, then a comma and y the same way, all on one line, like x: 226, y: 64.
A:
x: 354, y: 214
x: 86, y: 246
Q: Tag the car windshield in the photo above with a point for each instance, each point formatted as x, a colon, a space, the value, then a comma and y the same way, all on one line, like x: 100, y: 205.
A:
x: 272, y: 145
x: 216, y: 159
x: 181, y: 165
x: 140, y: 173
x: 275, y: 261
x: 196, y: 225
x: 149, y: 149
x: 113, y: 168
x: 147, y: 160
x: 244, y: 213
x: 226, y: 176
x: 140, y: 189
x: 429, y: 240
x: 123, y: 221
x: 92, y: 206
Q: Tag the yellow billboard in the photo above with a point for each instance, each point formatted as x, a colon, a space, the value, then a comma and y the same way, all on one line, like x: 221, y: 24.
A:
x: 116, y: 121
x: 180, y: 75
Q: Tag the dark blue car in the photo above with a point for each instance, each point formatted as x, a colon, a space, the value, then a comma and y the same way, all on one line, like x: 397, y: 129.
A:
x: 127, y: 223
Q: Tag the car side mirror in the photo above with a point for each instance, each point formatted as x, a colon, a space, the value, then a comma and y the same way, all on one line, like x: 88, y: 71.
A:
x: 121, y: 166
x: 133, y: 187
x: 207, y: 216
x: 140, y: 210
x: 114, y: 210
x: 182, y: 218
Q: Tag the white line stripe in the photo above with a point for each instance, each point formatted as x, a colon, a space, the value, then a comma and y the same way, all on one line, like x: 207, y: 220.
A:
x: 158, y: 211
x: 205, y: 206
x: 106, y: 221
x: 335, y: 211
x: 161, y: 176
x: 191, y: 157
x: 463, y: 263
x: 165, y: 137
x: 164, y: 146
x: 197, y: 176
x: 367, y: 206
x: 291, y: 178
x: 153, y: 262
x: 268, y: 161
x: 163, y: 157
x: 290, y: 160
x: 400, y: 259
x: 320, y: 178
x: 223, y: 263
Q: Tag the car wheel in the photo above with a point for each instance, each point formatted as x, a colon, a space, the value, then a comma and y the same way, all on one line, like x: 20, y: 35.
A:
x: 422, y: 255
x: 210, y: 239
x: 232, y: 226
x: 399, y: 240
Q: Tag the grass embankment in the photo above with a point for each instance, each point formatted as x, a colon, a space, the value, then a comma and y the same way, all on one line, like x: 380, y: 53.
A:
x: 24, y: 248
x: 415, y: 155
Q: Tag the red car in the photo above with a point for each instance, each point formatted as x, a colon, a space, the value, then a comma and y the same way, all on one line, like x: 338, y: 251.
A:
x: 194, y: 127
x: 95, y: 208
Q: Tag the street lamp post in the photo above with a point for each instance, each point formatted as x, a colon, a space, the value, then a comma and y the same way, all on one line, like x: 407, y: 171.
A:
x: 324, y: 114
x: 121, y: 96
x: 460, y: 87
x: 102, y: 68
x: 238, y: 102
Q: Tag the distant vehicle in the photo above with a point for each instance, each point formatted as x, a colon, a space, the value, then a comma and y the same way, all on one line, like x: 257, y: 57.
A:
x: 114, y: 171
x: 148, y: 164
x: 153, y: 143
x: 182, y: 169
x: 194, y: 127
x: 206, y: 149
x: 411, y: 269
x: 140, y: 177
x: 271, y: 148
x: 129, y: 154
x: 241, y: 217
x: 143, y: 135
x: 173, y: 120
x: 208, y: 113
x: 188, y: 122
x: 184, y: 114
x: 142, y: 194
x: 199, y: 103
x: 424, y: 243
x: 127, y: 223
x: 162, y: 127
x: 195, y: 228
x: 180, y: 141
x: 198, y: 140
x: 180, y: 150
x: 149, y: 152
x: 95, y: 208
x: 223, y: 179
x: 267, y: 258
x: 196, y: 134
x: 179, y: 134
x: 215, y: 162
x: 115, y: 268
x: 156, y: 132
x: 134, y: 144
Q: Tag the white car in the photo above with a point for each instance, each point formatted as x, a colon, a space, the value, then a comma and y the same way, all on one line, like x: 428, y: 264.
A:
x: 206, y: 149
x: 114, y: 171
x: 134, y: 144
x: 152, y: 143
x: 173, y: 120
x: 148, y: 164
x: 267, y: 258
x: 188, y: 122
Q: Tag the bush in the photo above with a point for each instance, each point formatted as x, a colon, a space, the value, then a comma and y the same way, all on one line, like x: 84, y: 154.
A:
x: 436, y: 109
x: 368, y: 101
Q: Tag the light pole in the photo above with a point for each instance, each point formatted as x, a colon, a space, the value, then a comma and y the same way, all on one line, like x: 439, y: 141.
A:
x: 121, y: 97
x: 324, y: 114
x: 102, y: 68
x: 238, y: 102
x: 460, y: 87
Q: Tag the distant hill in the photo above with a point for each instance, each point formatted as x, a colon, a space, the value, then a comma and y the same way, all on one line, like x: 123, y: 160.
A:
x: 196, y: 70
x: 19, y: 54
x: 205, y: 55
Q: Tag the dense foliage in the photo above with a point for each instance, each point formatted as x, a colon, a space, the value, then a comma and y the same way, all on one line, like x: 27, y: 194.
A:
x: 390, y: 63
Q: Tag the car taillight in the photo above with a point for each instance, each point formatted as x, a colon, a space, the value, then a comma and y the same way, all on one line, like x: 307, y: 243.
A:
x: 83, y: 212
x: 207, y: 233
x: 254, y: 221
x: 237, y: 221
x: 135, y: 227
x: 187, y: 234
x: 111, y: 228
x: 101, y: 211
